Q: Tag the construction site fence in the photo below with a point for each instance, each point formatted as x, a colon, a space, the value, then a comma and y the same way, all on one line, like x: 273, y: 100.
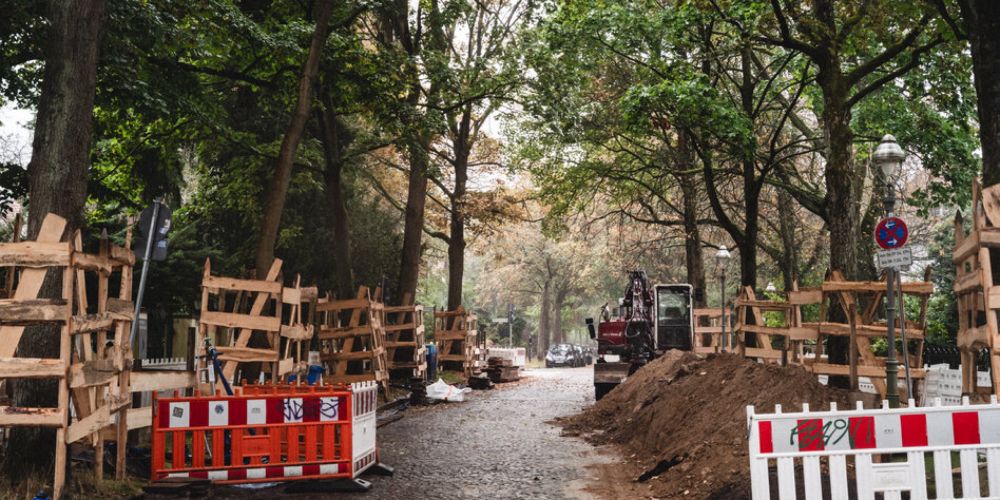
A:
x: 821, y: 447
x: 266, y: 433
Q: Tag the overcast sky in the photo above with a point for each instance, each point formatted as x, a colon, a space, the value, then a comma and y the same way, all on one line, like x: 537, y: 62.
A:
x: 15, y: 136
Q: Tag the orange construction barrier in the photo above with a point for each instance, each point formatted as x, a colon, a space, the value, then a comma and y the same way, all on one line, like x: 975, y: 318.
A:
x: 266, y: 433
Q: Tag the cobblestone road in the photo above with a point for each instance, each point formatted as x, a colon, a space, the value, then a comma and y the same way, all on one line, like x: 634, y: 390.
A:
x: 495, y: 445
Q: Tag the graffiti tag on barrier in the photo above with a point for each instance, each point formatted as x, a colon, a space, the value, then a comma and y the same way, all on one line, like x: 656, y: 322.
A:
x: 293, y: 410
x: 815, y: 434
x: 330, y: 409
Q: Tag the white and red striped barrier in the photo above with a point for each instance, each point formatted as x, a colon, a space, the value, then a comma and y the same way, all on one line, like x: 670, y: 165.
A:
x: 825, y: 440
x: 267, y: 433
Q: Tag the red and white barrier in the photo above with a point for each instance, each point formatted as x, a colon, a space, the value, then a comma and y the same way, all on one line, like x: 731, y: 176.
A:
x: 825, y: 440
x: 363, y: 452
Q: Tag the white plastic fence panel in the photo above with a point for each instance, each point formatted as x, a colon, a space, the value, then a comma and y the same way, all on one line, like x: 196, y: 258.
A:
x: 887, y: 449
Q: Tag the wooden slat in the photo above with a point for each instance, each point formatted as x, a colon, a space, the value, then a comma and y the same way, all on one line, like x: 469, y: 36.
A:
x: 245, y: 321
x: 31, y: 368
x: 805, y: 296
x: 345, y: 332
x: 18, y: 311
x: 31, y: 417
x: 967, y: 283
x: 291, y: 295
x: 30, y: 283
x: 245, y: 354
x: 967, y: 248
x: 89, y: 425
x: 914, y: 287
x: 711, y: 313
x: 340, y: 305
x: 863, y: 370
x: 297, y: 332
x: 828, y: 328
x: 226, y: 283
x: 161, y: 380
x: 140, y: 417
x: 765, y: 305
x: 122, y: 255
x: 93, y: 373
x: 90, y: 262
x: 342, y: 356
x: 794, y: 332
x: 34, y: 254
x: 92, y: 323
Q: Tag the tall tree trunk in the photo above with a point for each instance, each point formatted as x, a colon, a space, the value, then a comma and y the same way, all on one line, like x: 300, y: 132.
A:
x: 789, y: 250
x: 336, y: 136
x: 278, y: 188
x: 57, y: 177
x: 557, y: 308
x: 693, y: 257
x: 982, y: 20
x: 543, y: 319
x: 456, y: 238
x: 413, y: 225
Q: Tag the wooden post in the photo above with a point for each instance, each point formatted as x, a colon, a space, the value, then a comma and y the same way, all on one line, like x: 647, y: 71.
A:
x: 853, y: 352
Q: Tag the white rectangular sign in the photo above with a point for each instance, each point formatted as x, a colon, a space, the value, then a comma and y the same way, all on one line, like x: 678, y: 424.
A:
x: 500, y: 320
x: 896, y: 258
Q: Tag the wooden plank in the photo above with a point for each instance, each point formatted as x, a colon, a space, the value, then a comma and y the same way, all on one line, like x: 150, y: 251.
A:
x: 161, y: 380
x: 345, y: 332
x: 140, y: 417
x: 242, y: 321
x: 967, y: 248
x: 31, y: 368
x: 30, y: 283
x: 34, y: 254
x: 967, y: 283
x: 89, y: 424
x: 827, y: 328
x: 90, y: 262
x: 805, y: 296
x: 913, y: 287
x: 226, y: 283
x: 122, y: 256
x: 92, y: 373
x: 863, y: 370
x: 340, y: 305
x: 756, y: 352
x: 765, y: 305
x: 709, y: 312
x: 291, y: 295
x: 260, y: 301
x: 792, y: 332
x: 297, y: 332
x: 92, y: 323
x: 245, y: 354
x: 31, y: 417
x: 285, y: 366
x: 348, y: 356
x: 29, y: 311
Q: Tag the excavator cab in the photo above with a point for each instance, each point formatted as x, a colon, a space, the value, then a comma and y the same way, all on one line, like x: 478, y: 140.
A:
x: 674, y: 317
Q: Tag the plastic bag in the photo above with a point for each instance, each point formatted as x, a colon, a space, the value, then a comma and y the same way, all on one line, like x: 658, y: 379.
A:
x: 444, y: 392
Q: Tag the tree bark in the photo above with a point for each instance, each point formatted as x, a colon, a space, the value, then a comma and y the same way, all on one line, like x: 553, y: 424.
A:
x: 57, y: 177
x: 413, y: 225
x: 692, y: 234
x: 982, y: 20
x: 543, y: 319
x: 278, y: 188
x: 336, y: 136
x: 557, y: 307
x: 789, y: 249
x: 456, y: 239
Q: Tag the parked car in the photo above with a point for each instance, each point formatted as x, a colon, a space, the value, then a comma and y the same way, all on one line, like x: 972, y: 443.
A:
x: 563, y: 355
x: 588, y: 355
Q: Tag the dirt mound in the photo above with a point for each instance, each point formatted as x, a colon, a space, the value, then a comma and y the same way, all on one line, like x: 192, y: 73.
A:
x: 684, y: 419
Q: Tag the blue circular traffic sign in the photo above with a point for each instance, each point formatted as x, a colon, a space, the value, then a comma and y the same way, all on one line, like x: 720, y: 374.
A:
x: 891, y: 232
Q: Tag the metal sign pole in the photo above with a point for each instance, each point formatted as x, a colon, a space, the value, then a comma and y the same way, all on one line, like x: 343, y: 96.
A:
x: 150, y: 237
x: 902, y: 335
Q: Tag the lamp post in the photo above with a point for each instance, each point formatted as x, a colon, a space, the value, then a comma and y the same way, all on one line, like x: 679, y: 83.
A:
x: 770, y: 287
x: 721, y: 258
x: 889, y: 157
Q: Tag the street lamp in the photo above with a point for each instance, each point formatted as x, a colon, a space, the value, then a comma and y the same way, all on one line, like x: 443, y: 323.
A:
x: 770, y: 287
x: 889, y: 158
x: 721, y: 258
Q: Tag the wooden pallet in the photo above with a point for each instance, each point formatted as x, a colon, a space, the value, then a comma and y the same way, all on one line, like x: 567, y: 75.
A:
x: 94, y: 359
x: 233, y: 310
x: 977, y: 295
x: 785, y: 323
x: 352, y: 338
x: 860, y: 302
x: 708, y: 330
x: 404, y: 340
x: 455, y: 334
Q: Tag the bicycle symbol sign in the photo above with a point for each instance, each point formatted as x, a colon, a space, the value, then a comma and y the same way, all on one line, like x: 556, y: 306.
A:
x: 891, y: 232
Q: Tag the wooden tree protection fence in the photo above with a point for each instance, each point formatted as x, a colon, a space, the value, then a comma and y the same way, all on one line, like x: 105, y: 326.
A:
x: 455, y: 334
x: 708, y: 330
x: 225, y: 320
x: 864, y: 299
x: 298, y: 331
x: 94, y: 360
x: 404, y: 340
x: 8, y: 276
x: 752, y: 322
x: 352, y: 337
x: 977, y: 294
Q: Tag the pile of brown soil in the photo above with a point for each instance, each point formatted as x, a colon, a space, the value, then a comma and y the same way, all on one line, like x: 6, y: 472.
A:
x: 682, y: 420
